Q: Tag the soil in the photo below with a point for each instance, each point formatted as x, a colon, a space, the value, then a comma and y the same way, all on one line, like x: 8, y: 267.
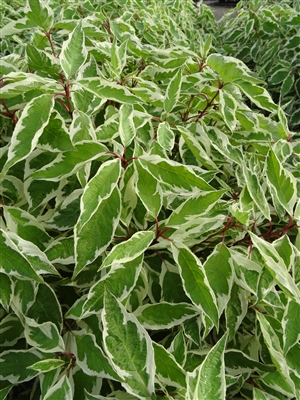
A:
x: 220, y: 8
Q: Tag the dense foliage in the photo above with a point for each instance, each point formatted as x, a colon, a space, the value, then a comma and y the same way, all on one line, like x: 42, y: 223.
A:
x: 265, y: 35
x: 150, y: 209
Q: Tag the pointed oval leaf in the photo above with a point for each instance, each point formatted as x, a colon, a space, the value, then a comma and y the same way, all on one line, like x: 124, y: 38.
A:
x: 148, y: 190
x: 120, y: 281
x: 29, y: 128
x: 129, y: 348
x: 177, y: 177
x: 173, y: 91
x: 165, y: 136
x: 130, y: 249
x: 73, y: 53
x: 194, y: 281
x: 282, y: 183
x: 61, y: 390
x: 12, y: 261
x: 90, y: 357
x: 44, y: 337
x: 208, y: 382
x: 100, y: 207
x: 164, y: 315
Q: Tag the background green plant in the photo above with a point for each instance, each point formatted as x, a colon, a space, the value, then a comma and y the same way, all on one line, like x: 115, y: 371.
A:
x: 150, y: 210
x: 265, y: 36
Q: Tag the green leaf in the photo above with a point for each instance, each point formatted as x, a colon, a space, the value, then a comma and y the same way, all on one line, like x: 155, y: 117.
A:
x: 36, y: 258
x: 276, y: 266
x: 228, y: 106
x: 67, y: 163
x: 17, y: 372
x: 55, y: 136
x: 231, y: 69
x: 167, y: 369
x: 148, y: 190
x: 194, y: 207
x: 220, y: 142
x: 195, y: 147
x: 164, y: 315
x: 290, y: 324
x: 129, y: 348
x: 177, y: 177
x: 195, y: 282
x: 256, y: 192
x: 41, y: 61
x: 116, y: 281
x: 61, y: 390
x: 258, y: 95
x: 6, y: 289
x: 23, y: 224
x: 272, y: 342
x: 44, y: 337
x: 40, y: 14
x: 100, y: 207
x: 108, y: 90
x: 73, y: 53
x: 47, y: 365
x: 127, y: 128
x: 220, y: 274
x: 208, y: 380
x: 90, y: 357
x: 165, y: 136
x: 236, y: 309
x: 173, y: 91
x: 29, y: 128
x: 11, y: 330
x: 130, y: 249
x: 12, y: 261
x: 282, y: 183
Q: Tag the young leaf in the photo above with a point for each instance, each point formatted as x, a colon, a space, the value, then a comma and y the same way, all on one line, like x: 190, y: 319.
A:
x: 40, y: 14
x: 100, y: 207
x: 129, y: 348
x: 208, y: 380
x: 29, y: 128
x: 173, y: 91
x: 194, y: 281
x: 73, y: 53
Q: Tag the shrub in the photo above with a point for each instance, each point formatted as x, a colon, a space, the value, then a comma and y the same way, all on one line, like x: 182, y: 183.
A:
x: 149, y: 238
